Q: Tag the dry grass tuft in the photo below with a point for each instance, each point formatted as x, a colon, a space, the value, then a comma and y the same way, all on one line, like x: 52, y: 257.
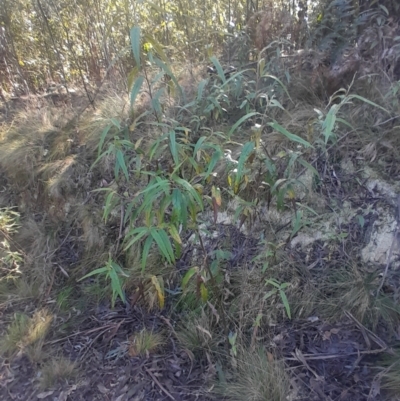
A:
x: 19, y: 289
x: 144, y: 343
x: 26, y: 143
x: 38, y: 246
x: 251, y: 297
x: 390, y: 375
x: 94, y: 233
x: 198, y: 333
x: 341, y: 290
x: 91, y: 125
x: 56, y: 371
x: 25, y: 331
x: 258, y: 378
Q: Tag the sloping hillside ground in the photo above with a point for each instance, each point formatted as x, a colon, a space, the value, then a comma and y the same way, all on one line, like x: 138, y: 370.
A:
x: 285, y: 285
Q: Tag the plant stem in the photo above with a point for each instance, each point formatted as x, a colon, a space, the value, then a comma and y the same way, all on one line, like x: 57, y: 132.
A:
x: 217, y: 292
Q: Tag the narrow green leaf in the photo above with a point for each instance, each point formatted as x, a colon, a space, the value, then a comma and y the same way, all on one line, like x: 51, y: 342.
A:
x: 162, y: 245
x: 289, y: 135
x: 198, y: 146
x: 189, y: 274
x: 217, y: 65
x: 135, y: 43
x: 116, y: 287
x: 200, y: 89
x: 240, y: 121
x: 272, y: 282
x: 103, y: 138
x: 121, y: 162
x: 100, y: 270
x: 168, y: 70
x: 195, y: 165
x: 107, y: 152
x: 268, y: 294
x: 280, y: 83
x: 190, y: 189
x: 329, y: 123
x: 108, y: 205
x: 118, y: 269
x: 176, y: 199
x: 235, y: 76
x: 173, y: 147
x: 363, y: 99
x: 165, y: 238
x: 285, y: 303
x: 341, y: 120
x: 132, y: 76
x: 137, y: 234
x: 160, y: 184
x: 183, y: 217
x: 146, y: 250
x: 136, y: 89
x: 247, y: 149
x: 116, y: 122
x: 281, y: 197
x: 213, y: 162
x: 308, y: 166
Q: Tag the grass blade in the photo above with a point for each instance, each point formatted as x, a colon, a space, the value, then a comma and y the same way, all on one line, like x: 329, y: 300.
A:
x: 240, y: 121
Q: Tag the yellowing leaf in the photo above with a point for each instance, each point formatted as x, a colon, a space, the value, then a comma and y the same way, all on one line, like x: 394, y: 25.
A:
x: 160, y: 291
x: 138, y: 142
x: 132, y: 76
x: 216, y: 194
x: 291, y: 194
x: 174, y: 234
x: 216, y: 201
x: 189, y: 274
x: 203, y: 292
x: 199, y: 188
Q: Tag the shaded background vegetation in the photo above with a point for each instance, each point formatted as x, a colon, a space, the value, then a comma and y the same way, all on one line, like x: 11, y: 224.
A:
x: 44, y: 41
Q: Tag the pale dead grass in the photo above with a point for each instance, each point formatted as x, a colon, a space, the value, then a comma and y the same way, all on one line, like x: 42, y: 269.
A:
x: 25, y: 143
x: 144, y: 343
x: 341, y: 290
x: 37, y: 245
x: 57, y: 370
x: 93, y: 123
x: 199, y: 332
x: 257, y: 377
x: 25, y: 331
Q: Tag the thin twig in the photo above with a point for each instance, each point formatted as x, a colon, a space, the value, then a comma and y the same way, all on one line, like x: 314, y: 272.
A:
x: 215, y: 288
x: 366, y: 332
x: 313, y: 357
x: 391, y: 249
x: 163, y: 389
x: 78, y: 333
x: 386, y: 121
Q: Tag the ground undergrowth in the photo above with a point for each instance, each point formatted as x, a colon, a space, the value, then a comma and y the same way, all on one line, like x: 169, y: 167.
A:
x: 205, y: 237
